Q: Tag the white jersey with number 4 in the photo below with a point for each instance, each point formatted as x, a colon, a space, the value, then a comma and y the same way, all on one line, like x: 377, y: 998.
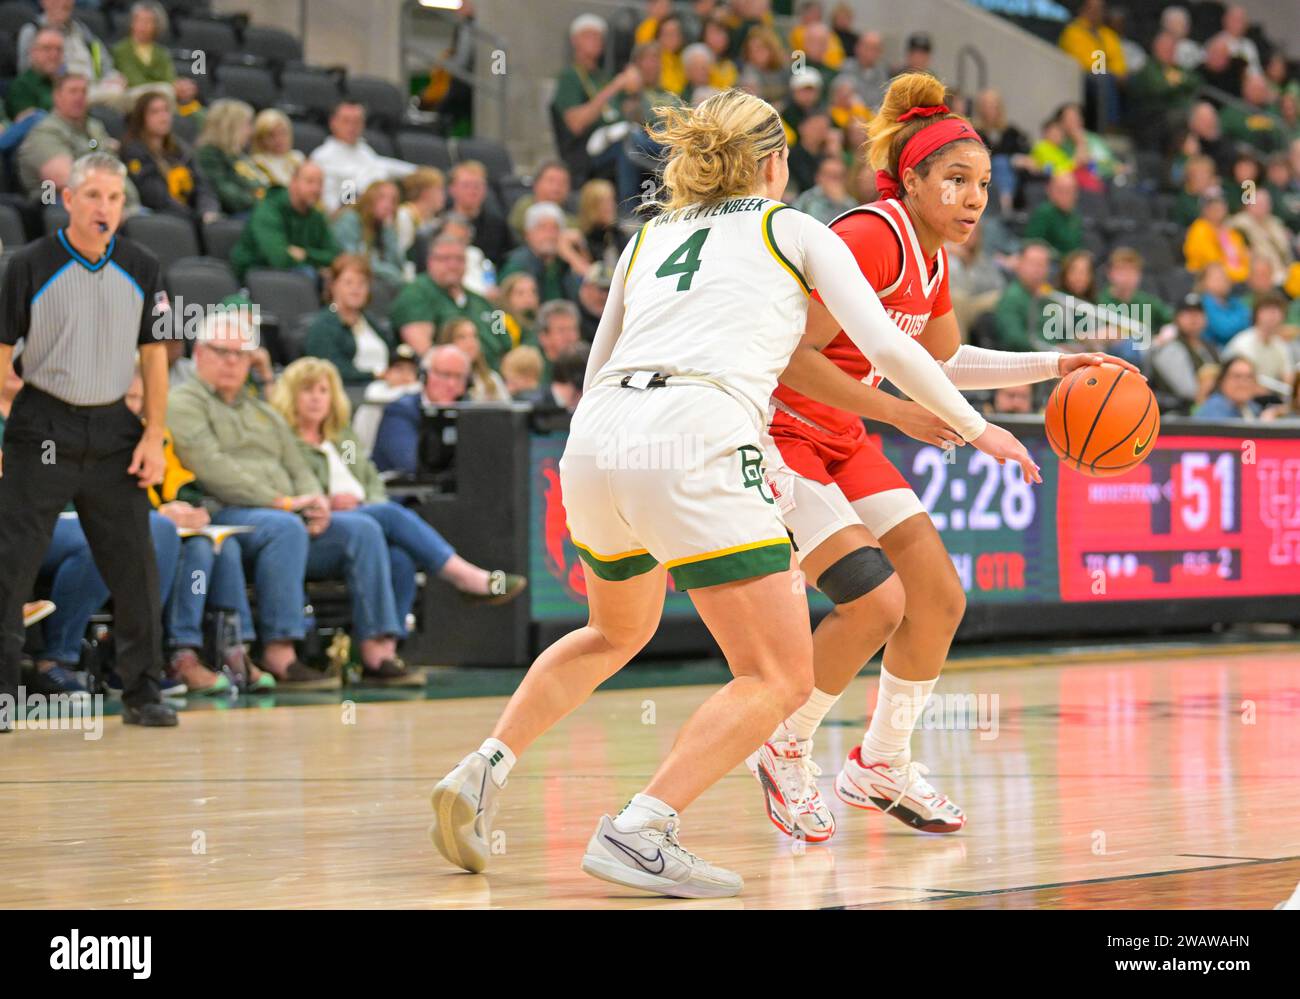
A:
x: 709, y: 293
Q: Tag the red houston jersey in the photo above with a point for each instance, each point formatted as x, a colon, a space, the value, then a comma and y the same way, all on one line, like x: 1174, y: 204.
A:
x: 880, y: 235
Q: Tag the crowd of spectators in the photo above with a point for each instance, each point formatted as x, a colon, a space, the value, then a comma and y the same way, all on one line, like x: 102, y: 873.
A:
x: 1160, y: 214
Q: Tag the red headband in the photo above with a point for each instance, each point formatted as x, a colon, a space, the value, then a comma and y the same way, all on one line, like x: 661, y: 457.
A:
x: 922, y: 144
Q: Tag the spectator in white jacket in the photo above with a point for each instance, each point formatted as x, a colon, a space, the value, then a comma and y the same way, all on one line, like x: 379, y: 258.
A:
x: 349, y: 162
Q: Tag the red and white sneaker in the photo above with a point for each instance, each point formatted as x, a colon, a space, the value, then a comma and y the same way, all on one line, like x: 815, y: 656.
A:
x: 788, y: 775
x: 902, y: 792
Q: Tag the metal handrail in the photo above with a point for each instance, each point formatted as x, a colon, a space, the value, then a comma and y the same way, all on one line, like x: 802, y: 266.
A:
x: 498, y: 85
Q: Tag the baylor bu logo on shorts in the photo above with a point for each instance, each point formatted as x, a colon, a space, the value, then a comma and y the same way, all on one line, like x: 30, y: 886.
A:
x: 751, y: 470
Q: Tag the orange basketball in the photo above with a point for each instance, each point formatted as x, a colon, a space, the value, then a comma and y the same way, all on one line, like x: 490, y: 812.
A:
x: 1102, y: 419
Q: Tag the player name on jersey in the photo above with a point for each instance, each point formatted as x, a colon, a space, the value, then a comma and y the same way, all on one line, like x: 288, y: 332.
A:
x: 709, y: 211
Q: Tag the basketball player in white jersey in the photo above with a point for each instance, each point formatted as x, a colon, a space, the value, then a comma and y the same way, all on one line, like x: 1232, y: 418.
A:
x: 707, y: 304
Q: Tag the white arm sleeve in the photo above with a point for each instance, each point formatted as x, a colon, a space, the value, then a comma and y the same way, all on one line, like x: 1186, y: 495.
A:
x: 830, y: 268
x: 611, y: 320
x: 977, y: 368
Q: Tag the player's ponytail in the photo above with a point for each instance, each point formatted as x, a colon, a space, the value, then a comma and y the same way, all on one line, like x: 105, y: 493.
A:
x: 715, y: 150
x: 913, y: 103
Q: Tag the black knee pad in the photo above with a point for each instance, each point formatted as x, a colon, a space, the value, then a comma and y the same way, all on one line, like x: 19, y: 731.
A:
x: 855, y: 575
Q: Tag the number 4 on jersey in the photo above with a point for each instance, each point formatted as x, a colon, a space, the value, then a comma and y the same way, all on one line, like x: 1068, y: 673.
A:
x: 685, y: 260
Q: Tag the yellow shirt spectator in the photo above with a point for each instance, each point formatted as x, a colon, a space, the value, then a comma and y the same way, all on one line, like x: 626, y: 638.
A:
x: 1081, y: 40
x: 1206, y: 245
x: 834, y: 49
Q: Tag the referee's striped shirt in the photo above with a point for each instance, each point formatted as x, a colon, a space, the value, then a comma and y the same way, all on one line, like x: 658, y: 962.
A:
x: 81, y: 321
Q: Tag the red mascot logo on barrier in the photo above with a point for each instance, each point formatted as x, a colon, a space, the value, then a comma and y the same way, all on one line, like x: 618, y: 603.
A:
x: 562, y: 560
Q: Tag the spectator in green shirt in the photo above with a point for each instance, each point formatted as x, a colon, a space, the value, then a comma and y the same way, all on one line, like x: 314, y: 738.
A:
x: 1162, y: 92
x: 33, y: 89
x: 222, y: 154
x: 1057, y: 221
x: 439, y: 294
x: 589, y: 125
x: 555, y: 256
x: 1123, y: 288
x: 139, y: 57
x: 1257, y: 126
x: 287, y: 231
x: 1019, y: 311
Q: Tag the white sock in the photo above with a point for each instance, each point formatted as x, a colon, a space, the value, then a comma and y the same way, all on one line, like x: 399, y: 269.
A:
x: 803, y: 723
x: 500, y: 760
x: 639, y: 811
x: 898, y: 705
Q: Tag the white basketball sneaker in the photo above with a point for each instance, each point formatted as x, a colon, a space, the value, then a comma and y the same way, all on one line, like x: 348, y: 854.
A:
x: 651, y: 859
x: 464, y: 804
x: 788, y: 776
x: 902, y: 792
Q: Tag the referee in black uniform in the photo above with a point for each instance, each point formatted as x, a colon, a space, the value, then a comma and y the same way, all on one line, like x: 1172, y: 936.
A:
x: 83, y: 301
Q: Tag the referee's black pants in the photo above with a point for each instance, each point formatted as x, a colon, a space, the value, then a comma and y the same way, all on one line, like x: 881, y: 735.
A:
x: 56, y: 453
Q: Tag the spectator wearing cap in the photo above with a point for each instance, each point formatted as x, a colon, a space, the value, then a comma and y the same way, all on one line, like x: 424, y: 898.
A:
x: 1123, y: 289
x: 400, y: 378
x: 440, y: 294
x: 397, y: 444
x: 1020, y: 310
x: 33, y: 88
x: 829, y: 196
x: 350, y: 163
x: 805, y: 98
x: 467, y: 193
x: 867, y: 68
x: 358, y: 345
x: 1056, y: 220
x: 553, y: 255
x: 551, y: 182
x: 589, y: 125
x: 1226, y: 314
x: 1263, y: 341
x: 485, y: 385
x: 592, y: 295
x: 1211, y: 240
x: 287, y: 231
x: 598, y: 222
x: 1183, y: 364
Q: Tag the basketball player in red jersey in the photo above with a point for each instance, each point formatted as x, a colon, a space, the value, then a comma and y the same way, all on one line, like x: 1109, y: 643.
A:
x: 862, y: 534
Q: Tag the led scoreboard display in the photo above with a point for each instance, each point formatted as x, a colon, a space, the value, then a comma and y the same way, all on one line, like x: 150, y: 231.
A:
x: 1213, y: 513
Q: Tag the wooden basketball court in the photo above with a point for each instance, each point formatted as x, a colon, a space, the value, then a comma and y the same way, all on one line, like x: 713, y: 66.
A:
x: 1137, y: 782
